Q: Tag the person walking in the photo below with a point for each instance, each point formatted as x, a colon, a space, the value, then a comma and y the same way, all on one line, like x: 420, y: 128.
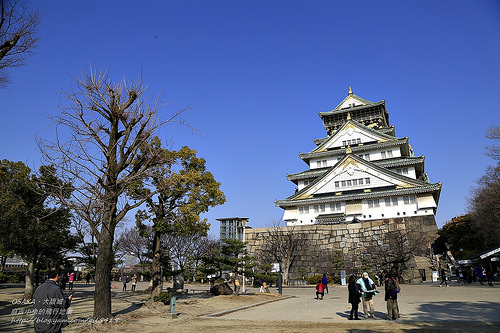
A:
x: 324, y: 280
x: 354, y: 297
x: 50, y: 305
x: 443, y: 278
x: 391, y: 297
x: 368, y: 289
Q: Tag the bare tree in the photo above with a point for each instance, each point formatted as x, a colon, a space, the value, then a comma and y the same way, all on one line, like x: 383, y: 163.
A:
x: 395, y: 249
x: 181, y: 249
x: 484, y: 207
x: 281, y: 245
x: 203, y: 247
x: 484, y: 204
x: 131, y: 241
x: 17, y: 34
x: 102, y: 149
x: 87, y: 242
x: 493, y: 151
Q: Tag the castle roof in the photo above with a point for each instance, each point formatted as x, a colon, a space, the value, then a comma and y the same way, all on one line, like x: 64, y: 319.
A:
x: 390, y: 184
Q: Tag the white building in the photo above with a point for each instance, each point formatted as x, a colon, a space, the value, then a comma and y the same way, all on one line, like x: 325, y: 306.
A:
x: 360, y: 171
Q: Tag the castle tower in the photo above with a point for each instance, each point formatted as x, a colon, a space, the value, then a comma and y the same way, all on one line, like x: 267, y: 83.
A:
x: 360, y: 171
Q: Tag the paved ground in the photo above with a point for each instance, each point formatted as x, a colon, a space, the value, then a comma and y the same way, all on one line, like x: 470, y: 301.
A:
x: 425, y: 302
x: 418, y: 303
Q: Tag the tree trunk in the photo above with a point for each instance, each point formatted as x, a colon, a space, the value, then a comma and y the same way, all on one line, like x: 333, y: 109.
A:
x: 286, y: 269
x: 104, y: 265
x: 156, y: 277
x: 2, y: 263
x: 179, y: 280
x: 29, y: 281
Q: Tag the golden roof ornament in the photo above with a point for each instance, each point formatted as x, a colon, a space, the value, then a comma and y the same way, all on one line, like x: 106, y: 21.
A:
x: 348, y: 149
x: 348, y: 116
x: 350, y: 90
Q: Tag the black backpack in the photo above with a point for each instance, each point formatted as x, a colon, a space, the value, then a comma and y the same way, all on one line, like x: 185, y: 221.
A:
x: 393, y: 290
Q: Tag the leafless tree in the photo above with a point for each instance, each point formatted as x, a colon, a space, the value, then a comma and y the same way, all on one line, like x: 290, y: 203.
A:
x: 181, y: 249
x: 484, y: 206
x: 131, y: 241
x: 395, y: 249
x: 87, y: 246
x: 281, y: 244
x: 102, y: 148
x: 493, y: 151
x: 17, y: 34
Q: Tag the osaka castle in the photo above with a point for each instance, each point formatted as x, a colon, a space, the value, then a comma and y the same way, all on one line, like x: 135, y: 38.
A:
x: 360, y: 171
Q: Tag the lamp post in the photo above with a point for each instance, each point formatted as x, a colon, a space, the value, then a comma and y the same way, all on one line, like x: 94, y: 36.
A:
x: 280, y: 281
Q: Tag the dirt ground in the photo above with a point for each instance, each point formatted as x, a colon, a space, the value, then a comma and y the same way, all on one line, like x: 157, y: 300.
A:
x: 202, y: 312
x: 194, y: 316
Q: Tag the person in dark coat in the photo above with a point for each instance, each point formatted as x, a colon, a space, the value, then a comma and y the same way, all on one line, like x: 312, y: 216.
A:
x: 51, y: 305
x: 354, y: 297
x: 391, y: 297
x: 324, y: 280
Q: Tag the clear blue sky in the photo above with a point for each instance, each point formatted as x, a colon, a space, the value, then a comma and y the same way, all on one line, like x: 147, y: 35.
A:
x: 256, y: 73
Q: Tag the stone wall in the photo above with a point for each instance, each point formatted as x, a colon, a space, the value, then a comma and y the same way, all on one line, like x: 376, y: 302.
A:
x: 315, y: 255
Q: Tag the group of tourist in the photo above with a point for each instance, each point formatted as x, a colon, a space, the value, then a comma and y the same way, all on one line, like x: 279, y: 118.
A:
x: 363, y: 289
x: 471, y: 274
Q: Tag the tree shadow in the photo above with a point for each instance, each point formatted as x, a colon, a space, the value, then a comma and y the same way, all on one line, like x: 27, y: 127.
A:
x: 458, y: 311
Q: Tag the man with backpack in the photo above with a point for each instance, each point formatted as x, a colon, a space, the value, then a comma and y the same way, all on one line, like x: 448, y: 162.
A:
x: 391, y: 297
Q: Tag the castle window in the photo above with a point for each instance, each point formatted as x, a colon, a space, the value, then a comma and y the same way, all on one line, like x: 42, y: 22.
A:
x: 373, y: 203
x: 304, y: 210
x: 367, y: 181
x: 337, y: 184
x: 403, y: 171
x: 409, y: 200
x: 335, y: 207
x: 391, y: 202
x: 319, y: 208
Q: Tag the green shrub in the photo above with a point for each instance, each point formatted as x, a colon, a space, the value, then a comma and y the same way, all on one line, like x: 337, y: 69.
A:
x: 163, y: 297
x: 11, y: 277
x: 315, y: 279
x: 335, y: 279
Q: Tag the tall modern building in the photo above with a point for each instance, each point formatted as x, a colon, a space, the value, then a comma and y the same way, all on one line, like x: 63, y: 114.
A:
x: 233, y: 228
x: 360, y: 171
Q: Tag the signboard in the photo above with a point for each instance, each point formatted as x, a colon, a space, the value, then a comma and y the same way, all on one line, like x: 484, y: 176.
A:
x: 435, y: 276
x: 342, y: 278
